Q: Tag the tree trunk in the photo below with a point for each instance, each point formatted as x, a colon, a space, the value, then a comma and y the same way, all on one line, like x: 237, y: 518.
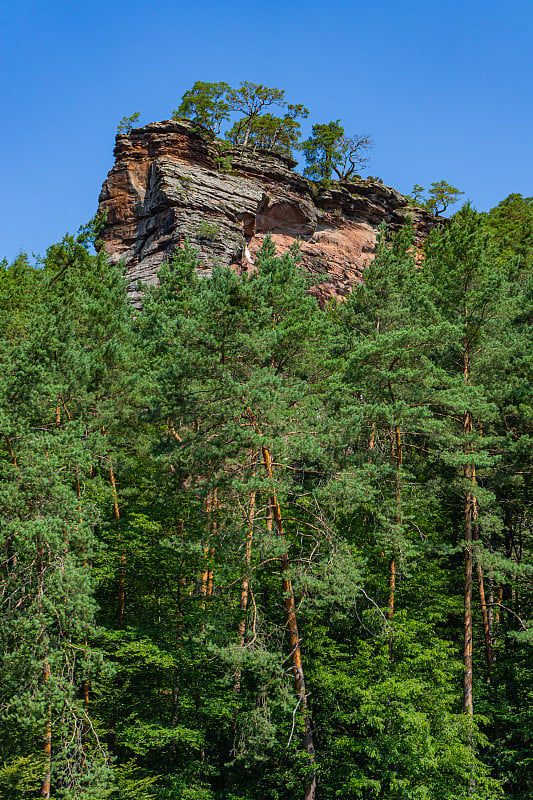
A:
x: 11, y: 451
x: 47, y: 739
x: 499, y: 595
x: 245, y: 585
x: 292, y: 625
x: 487, y: 634
x: 398, y: 452
x: 392, y: 589
x: 294, y: 639
x: 206, y: 588
x: 470, y: 508
x: 467, y: 655
x: 246, y: 581
x: 121, y: 593
x: 372, y: 436
x: 85, y: 685
x: 248, y: 129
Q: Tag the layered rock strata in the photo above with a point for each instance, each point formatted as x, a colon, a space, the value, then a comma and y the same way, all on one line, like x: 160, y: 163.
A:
x: 169, y: 185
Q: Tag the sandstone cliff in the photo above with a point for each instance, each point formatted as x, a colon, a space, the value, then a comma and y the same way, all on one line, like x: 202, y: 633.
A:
x: 167, y: 186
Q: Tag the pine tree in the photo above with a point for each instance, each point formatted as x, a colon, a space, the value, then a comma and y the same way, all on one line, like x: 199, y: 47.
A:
x: 59, y: 359
x: 238, y: 372
x: 393, y: 337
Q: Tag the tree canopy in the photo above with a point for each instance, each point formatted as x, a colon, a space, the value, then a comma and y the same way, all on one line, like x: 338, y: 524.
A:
x: 255, y: 548
x: 126, y: 123
x: 267, y: 132
x: 329, y: 150
x: 249, y: 99
x: 440, y: 196
x: 206, y: 105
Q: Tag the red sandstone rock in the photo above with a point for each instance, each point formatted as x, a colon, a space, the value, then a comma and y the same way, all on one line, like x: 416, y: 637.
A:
x: 165, y: 188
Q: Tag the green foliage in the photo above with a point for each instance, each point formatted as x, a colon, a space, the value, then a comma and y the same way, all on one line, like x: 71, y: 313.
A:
x: 206, y: 105
x: 417, y: 195
x: 322, y: 150
x: 329, y: 150
x: 20, y: 778
x: 209, y: 105
x: 267, y: 132
x: 208, y: 230
x: 511, y: 224
x: 132, y: 784
x: 224, y: 159
x: 440, y: 195
x: 249, y: 99
x: 57, y: 376
x: 144, y: 615
x: 391, y: 730
x: 126, y: 123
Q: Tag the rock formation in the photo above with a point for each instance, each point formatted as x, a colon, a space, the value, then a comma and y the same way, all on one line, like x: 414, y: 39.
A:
x: 169, y: 184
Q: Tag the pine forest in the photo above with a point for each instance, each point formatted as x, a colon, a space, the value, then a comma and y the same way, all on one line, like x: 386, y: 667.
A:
x: 257, y: 548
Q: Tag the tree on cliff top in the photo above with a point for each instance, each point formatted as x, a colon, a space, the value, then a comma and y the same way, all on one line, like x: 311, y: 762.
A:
x: 440, y: 195
x: 209, y: 106
x: 329, y: 150
x: 250, y: 99
x: 206, y: 105
x: 126, y: 123
x: 268, y: 132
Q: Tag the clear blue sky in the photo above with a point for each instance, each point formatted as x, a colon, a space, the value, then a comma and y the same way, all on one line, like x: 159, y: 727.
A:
x: 444, y: 89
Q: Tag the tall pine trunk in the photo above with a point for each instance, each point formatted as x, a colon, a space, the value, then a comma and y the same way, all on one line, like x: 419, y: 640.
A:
x: 47, y: 734
x: 121, y: 590
x: 469, y: 510
x: 207, y: 577
x: 121, y: 594
x: 294, y: 639
x: 487, y: 627
x: 398, y: 453
x: 467, y: 652
x: 245, y: 585
x: 47, y: 738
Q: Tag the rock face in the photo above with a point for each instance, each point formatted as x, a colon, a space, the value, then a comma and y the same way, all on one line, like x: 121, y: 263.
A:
x: 169, y: 184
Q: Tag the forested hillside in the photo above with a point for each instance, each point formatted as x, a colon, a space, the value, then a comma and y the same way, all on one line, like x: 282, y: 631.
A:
x: 252, y: 548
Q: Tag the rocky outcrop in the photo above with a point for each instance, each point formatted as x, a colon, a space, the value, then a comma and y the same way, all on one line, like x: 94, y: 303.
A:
x: 169, y: 184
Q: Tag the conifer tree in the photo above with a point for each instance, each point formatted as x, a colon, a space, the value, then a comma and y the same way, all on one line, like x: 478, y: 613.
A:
x: 472, y: 294
x: 394, y: 332
x: 246, y: 543
x: 238, y: 375
x: 64, y: 359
